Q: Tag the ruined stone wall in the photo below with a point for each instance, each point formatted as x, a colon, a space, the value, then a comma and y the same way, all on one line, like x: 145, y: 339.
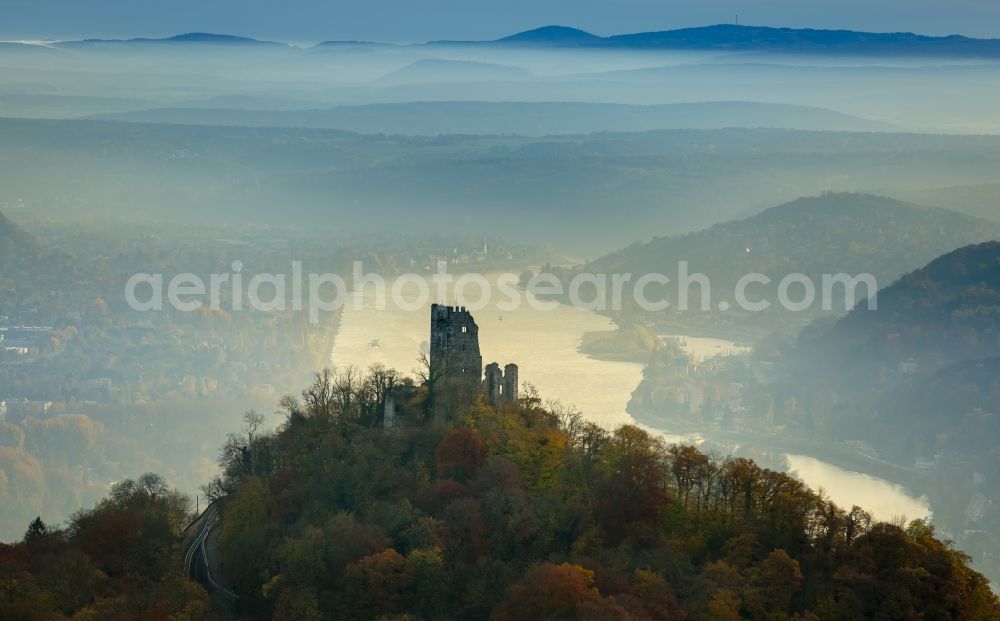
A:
x: 493, y: 384
x: 500, y: 386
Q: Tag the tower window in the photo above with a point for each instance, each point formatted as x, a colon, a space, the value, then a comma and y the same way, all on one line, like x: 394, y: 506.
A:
x: 465, y: 329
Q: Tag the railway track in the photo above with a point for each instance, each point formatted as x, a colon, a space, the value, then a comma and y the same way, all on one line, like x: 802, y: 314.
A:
x: 197, y: 566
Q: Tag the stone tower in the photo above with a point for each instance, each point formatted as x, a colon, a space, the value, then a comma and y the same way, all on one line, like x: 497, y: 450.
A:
x: 455, y: 345
x: 510, y: 383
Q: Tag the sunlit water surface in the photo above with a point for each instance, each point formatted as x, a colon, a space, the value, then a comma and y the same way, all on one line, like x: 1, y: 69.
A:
x: 884, y: 500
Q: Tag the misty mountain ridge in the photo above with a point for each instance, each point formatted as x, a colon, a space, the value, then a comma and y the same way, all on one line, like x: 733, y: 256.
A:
x: 948, y: 310
x: 832, y: 233
x: 981, y: 200
x: 553, y: 35
x: 720, y: 37
x: 345, y: 43
x: 9, y: 230
x: 919, y: 375
x: 444, y: 70
x: 731, y: 37
x: 520, y: 118
x: 14, y: 240
x: 665, y: 181
x: 197, y: 38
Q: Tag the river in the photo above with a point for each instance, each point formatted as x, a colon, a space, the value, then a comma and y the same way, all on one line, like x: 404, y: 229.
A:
x: 884, y: 500
x: 700, y: 348
x: 544, y: 345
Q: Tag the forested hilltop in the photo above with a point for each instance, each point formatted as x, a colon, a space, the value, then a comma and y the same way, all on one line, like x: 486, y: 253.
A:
x: 520, y: 512
x: 924, y: 362
x: 527, y: 512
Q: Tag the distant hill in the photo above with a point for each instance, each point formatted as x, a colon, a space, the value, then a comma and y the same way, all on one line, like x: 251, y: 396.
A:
x: 730, y: 37
x: 41, y: 106
x: 951, y: 409
x: 221, y: 39
x: 346, y: 43
x: 553, y: 35
x: 554, y: 190
x: 829, y: 234
x: 522, y: 118
x: 758, y: 38
x: 14, y: 241
x: 442, y: 70
x: 196, y: 38
x: 981, y: 200
x: 9, y: 230
x: 919, y: 375
x: 936, y: 315
x: 720, y: 37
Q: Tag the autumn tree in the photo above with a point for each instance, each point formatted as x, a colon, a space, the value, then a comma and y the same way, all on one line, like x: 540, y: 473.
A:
x: 460, y: 454
x: 556, y: 592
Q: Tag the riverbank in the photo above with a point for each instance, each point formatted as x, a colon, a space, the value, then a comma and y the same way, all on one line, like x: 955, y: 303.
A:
x: 634, y: 343
x: 328, y: 339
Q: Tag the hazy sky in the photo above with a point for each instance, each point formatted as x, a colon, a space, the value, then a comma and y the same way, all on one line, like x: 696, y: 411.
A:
x: 419, y: 20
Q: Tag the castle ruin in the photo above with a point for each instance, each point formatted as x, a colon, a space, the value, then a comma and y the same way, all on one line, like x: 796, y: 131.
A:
x: 454, y: 374
x: 455, y: 356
